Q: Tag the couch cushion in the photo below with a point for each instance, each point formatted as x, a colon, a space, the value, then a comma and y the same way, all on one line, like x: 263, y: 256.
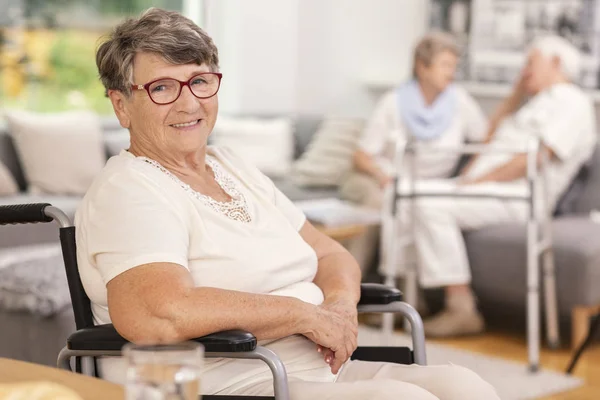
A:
x: 304, y: 130
x: 498, y: 262
x: 61, y: 153
x: 328, y: 158
x: 267, y: 143
x: 590, y: 194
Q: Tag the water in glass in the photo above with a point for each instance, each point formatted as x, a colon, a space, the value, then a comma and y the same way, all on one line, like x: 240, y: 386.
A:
x: 163, y: 372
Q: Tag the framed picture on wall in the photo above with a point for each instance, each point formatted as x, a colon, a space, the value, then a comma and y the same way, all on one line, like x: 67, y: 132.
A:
x: 495, y: 34
x: 502, y: 30
x: 454, y: 16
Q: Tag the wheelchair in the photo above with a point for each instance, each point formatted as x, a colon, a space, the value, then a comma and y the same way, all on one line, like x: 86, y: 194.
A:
x: 91, y: 341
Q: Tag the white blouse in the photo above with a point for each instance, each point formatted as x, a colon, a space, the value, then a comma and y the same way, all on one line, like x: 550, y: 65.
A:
x: 135, y: 213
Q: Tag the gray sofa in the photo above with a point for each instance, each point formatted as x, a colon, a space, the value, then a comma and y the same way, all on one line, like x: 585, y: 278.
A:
x: 498, y: 257
x: 497, y: 254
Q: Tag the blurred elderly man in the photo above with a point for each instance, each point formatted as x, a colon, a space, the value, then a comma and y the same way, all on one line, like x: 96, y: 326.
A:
x: 546, y: 104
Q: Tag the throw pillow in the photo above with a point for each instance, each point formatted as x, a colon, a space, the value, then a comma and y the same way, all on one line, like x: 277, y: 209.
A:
x: 267, y: 143
x: 329, y: 155
x: 60, y: 153
x: 8, y: 185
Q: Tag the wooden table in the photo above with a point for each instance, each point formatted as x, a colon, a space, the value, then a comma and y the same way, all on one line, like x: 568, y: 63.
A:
x: 13, y: 371
x: 342, y: 232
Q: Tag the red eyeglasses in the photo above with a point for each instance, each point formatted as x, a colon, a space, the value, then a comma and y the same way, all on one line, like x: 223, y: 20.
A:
x: 167, y: 90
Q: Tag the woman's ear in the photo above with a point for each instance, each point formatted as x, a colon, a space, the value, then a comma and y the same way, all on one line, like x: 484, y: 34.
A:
x: 418, y: 69
x: 119, y: 103
x: 556, y: 63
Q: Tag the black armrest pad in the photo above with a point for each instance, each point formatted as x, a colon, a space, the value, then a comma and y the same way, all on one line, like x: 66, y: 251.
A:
x: 374, y: 293
x: 105, y: 337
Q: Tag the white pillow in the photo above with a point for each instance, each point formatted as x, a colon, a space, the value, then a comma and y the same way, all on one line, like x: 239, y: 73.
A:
x: 8, y: 185
x: 60, y: 153
x: 267, y: 143
x: 328, y: 157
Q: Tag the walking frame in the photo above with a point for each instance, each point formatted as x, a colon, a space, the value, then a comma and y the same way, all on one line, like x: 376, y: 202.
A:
x: 539, y: 233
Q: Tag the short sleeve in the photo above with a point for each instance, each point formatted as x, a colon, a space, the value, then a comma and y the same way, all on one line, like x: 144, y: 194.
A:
x: 129, y: 222
x: 475, y: 122
x: 379, y: 126
x: 289, y: 210
x: 559, y: 118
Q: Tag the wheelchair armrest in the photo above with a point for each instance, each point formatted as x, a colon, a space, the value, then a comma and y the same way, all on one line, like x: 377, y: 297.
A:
x: 374, y: 293
x: 24, y: 213
x: 106, y: 337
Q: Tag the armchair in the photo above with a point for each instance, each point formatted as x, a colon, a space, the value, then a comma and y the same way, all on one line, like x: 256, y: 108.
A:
x: 91, y: 341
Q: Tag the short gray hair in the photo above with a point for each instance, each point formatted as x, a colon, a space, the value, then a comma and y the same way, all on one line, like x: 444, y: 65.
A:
x: 431, y: 45
x: 167, y: 33
x: 556, y: 46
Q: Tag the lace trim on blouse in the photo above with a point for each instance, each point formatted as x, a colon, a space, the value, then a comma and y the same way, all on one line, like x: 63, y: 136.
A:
x: 236, y: 209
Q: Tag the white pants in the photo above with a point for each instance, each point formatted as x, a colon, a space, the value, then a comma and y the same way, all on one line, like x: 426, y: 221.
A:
x: 438, y: 224
x: 363, y: 380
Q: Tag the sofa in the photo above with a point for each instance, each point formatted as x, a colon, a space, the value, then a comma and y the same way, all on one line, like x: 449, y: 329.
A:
x: 497, y: 253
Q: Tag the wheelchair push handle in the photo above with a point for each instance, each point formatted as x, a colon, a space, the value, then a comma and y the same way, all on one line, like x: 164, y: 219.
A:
x: 31, y: 214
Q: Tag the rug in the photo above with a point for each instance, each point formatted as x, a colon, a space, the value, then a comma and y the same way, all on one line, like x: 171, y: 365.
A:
x: 511, y: 379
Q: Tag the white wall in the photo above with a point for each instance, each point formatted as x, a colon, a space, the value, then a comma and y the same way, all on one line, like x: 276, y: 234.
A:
x: 345, y: 43
x: 311, y: 56
x: 257, y: 43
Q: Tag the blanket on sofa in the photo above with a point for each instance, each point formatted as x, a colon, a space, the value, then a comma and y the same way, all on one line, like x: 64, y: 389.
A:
x: 33, y: 279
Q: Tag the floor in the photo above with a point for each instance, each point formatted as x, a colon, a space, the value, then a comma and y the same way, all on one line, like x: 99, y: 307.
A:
x: 513, y: 347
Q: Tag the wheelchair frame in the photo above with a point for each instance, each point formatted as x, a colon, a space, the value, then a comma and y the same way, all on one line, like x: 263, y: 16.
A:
x: 90, y: 341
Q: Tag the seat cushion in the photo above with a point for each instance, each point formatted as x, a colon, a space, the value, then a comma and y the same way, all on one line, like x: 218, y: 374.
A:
x: 33, y: 280
x: 498, y: 262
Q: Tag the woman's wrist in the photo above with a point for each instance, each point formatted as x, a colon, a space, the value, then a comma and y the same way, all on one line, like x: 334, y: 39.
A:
x: 344, y: 296
x: 302, y: 316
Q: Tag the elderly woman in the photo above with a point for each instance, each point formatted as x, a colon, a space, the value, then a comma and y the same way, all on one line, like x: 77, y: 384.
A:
x: 428, y: 108
x: 177, y: 239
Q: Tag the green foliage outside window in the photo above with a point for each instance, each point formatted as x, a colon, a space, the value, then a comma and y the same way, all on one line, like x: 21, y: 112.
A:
x: 47, y: 65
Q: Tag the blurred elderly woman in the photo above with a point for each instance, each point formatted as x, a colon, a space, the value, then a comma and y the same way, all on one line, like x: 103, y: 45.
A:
x: 428, y: 108
x: 178, y: 239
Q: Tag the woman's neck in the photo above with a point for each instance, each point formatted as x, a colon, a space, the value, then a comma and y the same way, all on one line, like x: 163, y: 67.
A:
x: 182, y: 164
x: 428, y: 92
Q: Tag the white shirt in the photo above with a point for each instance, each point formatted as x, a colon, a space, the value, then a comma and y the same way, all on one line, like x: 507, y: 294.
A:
x: 386, y: 126
x: 134, y: 214
x: 562, y: 117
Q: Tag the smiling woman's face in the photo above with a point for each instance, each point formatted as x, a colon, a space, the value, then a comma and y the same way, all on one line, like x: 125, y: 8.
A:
x: 179, y: 128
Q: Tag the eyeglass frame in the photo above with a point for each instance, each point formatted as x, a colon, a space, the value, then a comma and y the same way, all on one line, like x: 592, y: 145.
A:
x: 181, y: 85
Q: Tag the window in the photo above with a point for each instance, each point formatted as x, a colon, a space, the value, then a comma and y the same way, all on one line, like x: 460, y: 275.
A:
x: 47, y: 50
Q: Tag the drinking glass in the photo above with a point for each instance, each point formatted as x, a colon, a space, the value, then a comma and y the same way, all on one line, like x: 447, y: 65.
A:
x: 163, y: 371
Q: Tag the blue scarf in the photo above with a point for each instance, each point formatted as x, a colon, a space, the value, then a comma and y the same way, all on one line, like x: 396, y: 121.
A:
x: 426, y: 122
